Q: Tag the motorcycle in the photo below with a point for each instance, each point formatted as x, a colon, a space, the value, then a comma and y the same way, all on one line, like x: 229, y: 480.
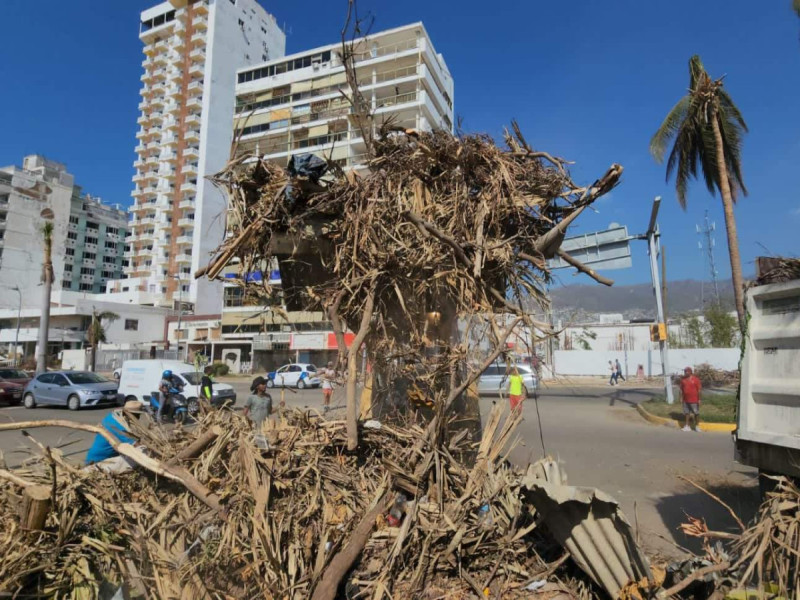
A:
x: 177, y: 410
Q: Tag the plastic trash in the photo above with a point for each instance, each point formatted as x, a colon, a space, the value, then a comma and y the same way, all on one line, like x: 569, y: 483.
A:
x: 395, y: 516
x: 535, y: 585
x: 372, y: 424
x: 485, y: 519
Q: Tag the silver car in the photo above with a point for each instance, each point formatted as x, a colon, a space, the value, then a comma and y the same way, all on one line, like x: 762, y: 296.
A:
x: 73, y: 389
x: 494, y: 379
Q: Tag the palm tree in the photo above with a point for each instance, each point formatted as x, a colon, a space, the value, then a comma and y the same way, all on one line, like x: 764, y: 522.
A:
x: 97, y: 333
x: 707, y: 129
x: 47, y: 286
x: 796, y: 6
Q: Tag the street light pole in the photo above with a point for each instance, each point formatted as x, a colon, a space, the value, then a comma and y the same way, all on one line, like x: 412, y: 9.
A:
x: 19, y: 318
x: 180, y: 311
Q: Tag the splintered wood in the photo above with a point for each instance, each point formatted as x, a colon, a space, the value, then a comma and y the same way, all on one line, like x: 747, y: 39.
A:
x: 286, y: 513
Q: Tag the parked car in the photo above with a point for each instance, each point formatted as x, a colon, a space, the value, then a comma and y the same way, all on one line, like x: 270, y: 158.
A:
x: 139, y: 378
x: 17, y: 376
x: 494, y: 379
x: 73, y: 389
x: 299, y: 375
x: 10, y: 392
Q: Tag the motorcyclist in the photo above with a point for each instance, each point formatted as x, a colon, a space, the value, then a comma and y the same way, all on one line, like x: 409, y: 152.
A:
x: 168, y: 385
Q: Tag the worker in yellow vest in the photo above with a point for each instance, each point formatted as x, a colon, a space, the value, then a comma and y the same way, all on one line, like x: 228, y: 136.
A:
x: 515, y: 388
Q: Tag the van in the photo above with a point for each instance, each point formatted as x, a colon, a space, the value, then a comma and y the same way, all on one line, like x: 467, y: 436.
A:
x: 138, y: 378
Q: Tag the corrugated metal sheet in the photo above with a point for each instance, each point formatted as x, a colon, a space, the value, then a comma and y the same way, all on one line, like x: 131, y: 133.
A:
x: 589, y: 525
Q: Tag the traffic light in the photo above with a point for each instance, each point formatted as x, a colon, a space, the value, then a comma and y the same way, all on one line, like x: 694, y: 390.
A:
x: 658, y: 332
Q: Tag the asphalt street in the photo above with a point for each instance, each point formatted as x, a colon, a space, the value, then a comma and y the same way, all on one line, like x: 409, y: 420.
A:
x: 594, y: 431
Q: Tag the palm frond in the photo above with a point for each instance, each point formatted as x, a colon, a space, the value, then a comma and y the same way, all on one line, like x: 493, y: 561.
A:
x: 669, y: 128
x: 730, y: 109
x: 796, y: 6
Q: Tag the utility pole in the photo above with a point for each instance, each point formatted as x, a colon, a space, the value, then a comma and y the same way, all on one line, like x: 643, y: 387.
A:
x: 19, y: 318
x: 652, y: 236
x: 180, y: 312
x: 664, y: 283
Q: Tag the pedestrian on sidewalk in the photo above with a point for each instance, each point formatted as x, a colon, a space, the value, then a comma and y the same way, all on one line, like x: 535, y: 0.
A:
x: 328, y: 377
x: 690, y: 394
x: 515, y: 389
x: 619, y: 371
x: 613, y: 368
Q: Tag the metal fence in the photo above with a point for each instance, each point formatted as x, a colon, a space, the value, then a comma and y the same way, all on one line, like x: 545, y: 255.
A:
x: 108, y: 360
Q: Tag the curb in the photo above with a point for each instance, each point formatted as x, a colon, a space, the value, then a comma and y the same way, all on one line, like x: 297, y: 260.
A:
x: 705, y: 425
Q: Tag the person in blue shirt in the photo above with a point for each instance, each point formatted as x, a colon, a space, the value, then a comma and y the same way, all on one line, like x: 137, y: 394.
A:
x: 117, y: 423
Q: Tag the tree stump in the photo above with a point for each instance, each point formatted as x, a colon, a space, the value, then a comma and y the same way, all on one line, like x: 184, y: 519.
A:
x: 36, y: 505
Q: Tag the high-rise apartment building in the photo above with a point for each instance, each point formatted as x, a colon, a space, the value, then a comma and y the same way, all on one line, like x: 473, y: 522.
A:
x: 88, y: 235
x: 192, y: 50
x: 296, y: 104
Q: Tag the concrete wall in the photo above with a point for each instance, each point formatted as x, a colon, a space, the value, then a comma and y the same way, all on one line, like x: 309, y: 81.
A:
x: 595, y: 362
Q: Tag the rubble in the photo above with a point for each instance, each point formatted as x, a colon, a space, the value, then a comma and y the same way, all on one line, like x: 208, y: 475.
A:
x: 285, y: 515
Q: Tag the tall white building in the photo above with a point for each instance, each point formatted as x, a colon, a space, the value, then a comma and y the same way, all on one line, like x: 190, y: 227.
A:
x: 295, y: 104
x: 192, y: 51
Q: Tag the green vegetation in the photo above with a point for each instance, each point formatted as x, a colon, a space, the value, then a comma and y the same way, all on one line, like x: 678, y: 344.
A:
x: 714, y: 408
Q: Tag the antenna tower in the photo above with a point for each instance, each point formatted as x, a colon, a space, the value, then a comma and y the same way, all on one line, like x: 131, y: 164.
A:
x: 707, y: 231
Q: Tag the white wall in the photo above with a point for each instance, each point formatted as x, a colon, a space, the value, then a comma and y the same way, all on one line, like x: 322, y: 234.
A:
x: 595, y: 362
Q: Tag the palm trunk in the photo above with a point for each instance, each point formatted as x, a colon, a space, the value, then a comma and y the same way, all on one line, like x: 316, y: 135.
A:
x: 730, y: 225
x: 352, y: 356
x: 44, y: 321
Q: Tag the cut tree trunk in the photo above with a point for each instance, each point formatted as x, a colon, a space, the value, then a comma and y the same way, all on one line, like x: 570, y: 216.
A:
x: 44, y: 323
x: 730, y: 225
x: 35, y: 506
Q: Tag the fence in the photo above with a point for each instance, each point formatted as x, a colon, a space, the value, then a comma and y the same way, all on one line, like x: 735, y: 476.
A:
x: 108, y: 360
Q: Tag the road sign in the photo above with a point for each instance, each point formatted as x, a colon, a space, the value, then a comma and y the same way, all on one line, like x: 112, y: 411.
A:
x: 608, y: 249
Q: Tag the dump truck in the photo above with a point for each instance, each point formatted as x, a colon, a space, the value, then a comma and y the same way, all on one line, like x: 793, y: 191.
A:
x: 768, y: 427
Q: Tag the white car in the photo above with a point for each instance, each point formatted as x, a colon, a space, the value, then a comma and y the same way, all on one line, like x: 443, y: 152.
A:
x: 299, y: 375
x: 494, y: 380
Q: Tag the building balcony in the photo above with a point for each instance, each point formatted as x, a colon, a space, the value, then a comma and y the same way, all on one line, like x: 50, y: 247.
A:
x: 168, y: 141
x: 174, y: 75
x: 196, y: 87
x: 193, y: 135
x: 186, y: 222
x: 157, y: 116
x: 196, y: 69
x: 188, y: 186
x: 186, y: 203
x: 140, y: 148
x: 179, y: 41
x: 195, y: 103
x: 146, y: 221
x: 146, y: 76
x: 171, y: 123
x: 160, y: 59
x: 190, y: 169
x: 159, y: 87
x: 191, y: 152
x: 198, y: 54
x: 201, y: 7
x: 199, y: 22
x: 184, y: 240
x: 167, y: 173
x: 152, y: 145
x: 143, y: 119
x: 172, y: 107
x: 143, y: 105
x: 199, y: 38
x: 137, y: 164
x: 183, y: 259
x: 159, y: 74
x: 147, y: 62
x: 164, y: 224
x: 174, y: 91
x: 168, y: 156
x: 192, y: 120
x: 151, y: 160
x: 157, y: 102
x: 138, y: 177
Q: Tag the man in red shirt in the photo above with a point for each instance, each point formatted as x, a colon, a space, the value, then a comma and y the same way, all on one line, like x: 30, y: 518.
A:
x: 690, y: 392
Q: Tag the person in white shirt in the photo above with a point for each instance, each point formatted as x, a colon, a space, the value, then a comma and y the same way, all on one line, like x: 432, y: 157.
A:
x: 328, y: 377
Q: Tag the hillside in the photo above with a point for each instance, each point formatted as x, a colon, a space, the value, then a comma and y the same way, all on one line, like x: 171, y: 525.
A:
x: 633, y: 301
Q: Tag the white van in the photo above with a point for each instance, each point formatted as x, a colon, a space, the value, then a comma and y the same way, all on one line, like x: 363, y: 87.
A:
x: 138, y: 378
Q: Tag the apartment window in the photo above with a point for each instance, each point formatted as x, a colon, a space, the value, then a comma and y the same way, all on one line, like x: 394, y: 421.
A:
x: 92, y: 225
x: 111, y: 245
x: 68, y: 268
x: 126, y: 263
x: 127, y: 248
x: 87, y: 271
x: 131, y: 325
x: 91, y: 240
x: 66, y: 284
x: 70, y: 251
x: 125, y: 289
x: 86, y: 287
x: 112, y: 230
x: 108, y: 274
x: 73, y: 220
x: 234, y: 296
x: 89, y: 256
x: 184, y: 288
x: 71, y: 235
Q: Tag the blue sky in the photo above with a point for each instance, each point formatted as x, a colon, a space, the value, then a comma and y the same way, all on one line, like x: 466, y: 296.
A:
x: 587, y: 80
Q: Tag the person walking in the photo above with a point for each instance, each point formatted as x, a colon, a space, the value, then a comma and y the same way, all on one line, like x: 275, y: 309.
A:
x: 613, y: 368
x: 691, y: 387
x: 207, y: 384
x: 619, y: 371
x: 328, y: 378
x: 515, y: 389
x: 258, y: 406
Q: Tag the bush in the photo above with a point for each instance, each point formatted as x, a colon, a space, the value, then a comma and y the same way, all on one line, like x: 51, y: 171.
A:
x: 219, y: 369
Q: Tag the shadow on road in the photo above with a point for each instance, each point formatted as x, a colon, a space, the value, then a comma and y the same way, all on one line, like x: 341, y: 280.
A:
x: 743, y: 498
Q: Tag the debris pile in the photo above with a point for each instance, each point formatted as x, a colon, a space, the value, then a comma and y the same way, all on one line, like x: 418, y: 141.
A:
x: 712, y: 377
x: 776, y: 269
x: 415, y: 521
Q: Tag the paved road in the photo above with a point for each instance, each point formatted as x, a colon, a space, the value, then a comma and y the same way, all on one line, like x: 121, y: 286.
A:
x: 595, y: 432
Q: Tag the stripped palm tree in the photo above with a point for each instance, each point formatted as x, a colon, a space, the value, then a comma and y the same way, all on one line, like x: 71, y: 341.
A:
x: 97, y: 331
x: 707, y: 128
x: 47, y: 286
